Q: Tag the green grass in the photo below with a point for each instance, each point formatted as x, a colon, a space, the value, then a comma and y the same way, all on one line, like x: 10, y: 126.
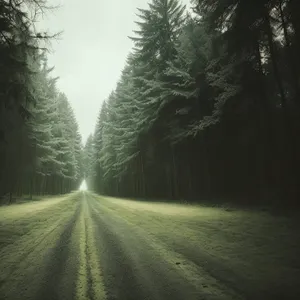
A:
x: 27, y: 232
x: 227, y: 253
x: 242, y: 247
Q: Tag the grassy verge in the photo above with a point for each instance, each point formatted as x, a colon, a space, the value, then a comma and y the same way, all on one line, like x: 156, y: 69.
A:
x: 20, y: 220
x: 245, y: 249
x: 27, y: 235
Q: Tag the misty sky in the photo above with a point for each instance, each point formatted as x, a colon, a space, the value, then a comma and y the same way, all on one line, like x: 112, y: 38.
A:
x: 91, y: 52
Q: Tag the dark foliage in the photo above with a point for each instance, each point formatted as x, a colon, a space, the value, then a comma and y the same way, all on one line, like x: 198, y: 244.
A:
x: 207, y: 106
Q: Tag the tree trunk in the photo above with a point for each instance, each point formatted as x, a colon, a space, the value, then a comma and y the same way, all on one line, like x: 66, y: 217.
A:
x: 62, y: 186
x: 290, y: 54
x: 274, y: 60
x: 169, y: 182
x: 264, y: 130
x: 294, y: 9
x: 42, y: 185
x: 174, y: 173
x: 189, y: 180
x: 31, y: 186
x: 207, y: 163
x: 143, y: 182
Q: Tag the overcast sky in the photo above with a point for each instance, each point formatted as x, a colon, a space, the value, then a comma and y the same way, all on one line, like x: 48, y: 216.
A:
x: 91, y: 52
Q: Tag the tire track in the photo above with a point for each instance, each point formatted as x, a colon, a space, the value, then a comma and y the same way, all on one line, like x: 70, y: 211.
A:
x: 55, y: 270
x: 133, y: 268
x: 23, y: 263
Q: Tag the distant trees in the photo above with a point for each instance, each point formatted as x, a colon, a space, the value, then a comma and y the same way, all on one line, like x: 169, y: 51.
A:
x: 40, y: 147
x: 206, y: 106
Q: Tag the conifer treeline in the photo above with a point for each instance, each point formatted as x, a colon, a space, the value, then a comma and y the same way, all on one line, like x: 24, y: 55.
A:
x: 207, y: 105
x: 40, y: 147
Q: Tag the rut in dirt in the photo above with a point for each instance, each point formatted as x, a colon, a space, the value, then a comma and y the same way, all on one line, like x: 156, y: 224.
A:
x: 52, y: 287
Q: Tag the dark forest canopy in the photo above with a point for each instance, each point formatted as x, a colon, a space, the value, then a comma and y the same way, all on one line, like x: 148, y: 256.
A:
x: 40, y: 147
x: 207, y: 105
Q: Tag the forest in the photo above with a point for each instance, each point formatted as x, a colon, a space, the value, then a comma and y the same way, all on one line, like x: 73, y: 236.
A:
x: 206, y: 107
x: 192, y: 167
x: 40, y: 145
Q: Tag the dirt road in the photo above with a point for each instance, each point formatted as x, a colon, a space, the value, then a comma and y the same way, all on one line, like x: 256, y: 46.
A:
x: 83, y: 246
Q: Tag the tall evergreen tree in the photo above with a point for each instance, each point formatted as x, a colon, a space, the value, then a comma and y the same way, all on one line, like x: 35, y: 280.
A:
x: 207, y: 105
x: 32, y: 126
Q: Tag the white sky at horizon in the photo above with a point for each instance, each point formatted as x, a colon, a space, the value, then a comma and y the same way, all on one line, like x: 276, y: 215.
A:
x: 91, y: 53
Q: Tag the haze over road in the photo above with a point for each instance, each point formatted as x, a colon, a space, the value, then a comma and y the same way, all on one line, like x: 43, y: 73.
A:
x: 83, y: 246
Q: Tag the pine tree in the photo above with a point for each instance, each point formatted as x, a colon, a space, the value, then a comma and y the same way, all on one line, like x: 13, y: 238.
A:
x: 206, y: 105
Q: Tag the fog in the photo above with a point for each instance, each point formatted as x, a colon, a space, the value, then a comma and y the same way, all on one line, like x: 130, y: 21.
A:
x: 91, y: 51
